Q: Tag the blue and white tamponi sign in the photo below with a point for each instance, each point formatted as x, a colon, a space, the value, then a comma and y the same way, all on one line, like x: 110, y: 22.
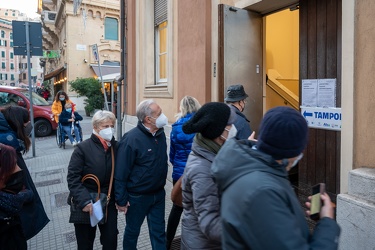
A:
x: 323, y: 118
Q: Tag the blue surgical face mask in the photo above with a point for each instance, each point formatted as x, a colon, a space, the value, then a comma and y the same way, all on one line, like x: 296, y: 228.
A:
x: 62, y: 98
x: 69, y: 110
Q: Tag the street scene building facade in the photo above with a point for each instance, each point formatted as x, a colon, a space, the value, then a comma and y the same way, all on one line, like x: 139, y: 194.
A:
x: 200, y: 47
x: 69, y: 31
x: 13, y: 67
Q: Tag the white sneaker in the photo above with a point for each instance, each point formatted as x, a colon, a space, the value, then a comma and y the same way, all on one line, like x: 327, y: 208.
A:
x: 75, y: 143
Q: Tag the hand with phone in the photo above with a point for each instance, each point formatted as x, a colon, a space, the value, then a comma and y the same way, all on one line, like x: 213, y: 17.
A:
x: 319, y: 204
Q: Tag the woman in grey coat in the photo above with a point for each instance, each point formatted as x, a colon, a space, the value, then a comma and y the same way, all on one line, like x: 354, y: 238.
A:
x: 201, y: 223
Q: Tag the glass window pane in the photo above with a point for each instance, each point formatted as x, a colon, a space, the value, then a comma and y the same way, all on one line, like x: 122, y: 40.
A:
x: 111, y: 28
x: 163, y: 66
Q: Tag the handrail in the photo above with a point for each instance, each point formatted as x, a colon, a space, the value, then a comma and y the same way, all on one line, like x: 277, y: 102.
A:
x: 283, y: 92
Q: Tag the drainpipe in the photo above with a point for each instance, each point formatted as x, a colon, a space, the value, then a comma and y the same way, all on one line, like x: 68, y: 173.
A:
x: 121, y: 78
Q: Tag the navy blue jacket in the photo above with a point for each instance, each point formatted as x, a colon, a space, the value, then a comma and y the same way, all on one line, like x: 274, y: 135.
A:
x: 180, y: 147
x: 65, y: 116
x: 259, y: 208
x: 242, y: 124
x: 33, y: 216
x: 141, y: 163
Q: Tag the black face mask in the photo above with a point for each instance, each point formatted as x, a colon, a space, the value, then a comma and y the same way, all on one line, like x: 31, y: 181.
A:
x: 28, y: 129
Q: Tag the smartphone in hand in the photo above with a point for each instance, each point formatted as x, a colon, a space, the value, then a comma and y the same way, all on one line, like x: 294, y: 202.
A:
x: 316, y: 202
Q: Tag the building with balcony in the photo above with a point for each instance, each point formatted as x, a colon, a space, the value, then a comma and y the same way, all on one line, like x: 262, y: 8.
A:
x: 69, y: 33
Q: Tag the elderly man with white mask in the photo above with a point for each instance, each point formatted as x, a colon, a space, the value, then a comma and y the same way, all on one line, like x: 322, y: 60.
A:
x: 140, y: 176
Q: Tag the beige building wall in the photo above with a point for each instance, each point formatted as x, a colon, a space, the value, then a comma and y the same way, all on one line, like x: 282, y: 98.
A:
x: 364, y: 91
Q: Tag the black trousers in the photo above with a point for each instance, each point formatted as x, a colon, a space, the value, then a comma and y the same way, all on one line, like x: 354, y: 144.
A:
x: 173, y: 221
x: 85, y: 234
x: 11, y: 234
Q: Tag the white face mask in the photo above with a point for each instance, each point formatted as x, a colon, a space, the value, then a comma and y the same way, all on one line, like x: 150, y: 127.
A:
x: 297, y: 160
x: 232, y: 132
x: 161, y: 121
x: 107, y: 133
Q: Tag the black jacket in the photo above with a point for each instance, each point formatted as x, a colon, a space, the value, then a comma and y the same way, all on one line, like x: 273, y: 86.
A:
x: 242, y: 124
x: 259, y: 208
x: 89, y: 157
x: 65, y: 116
x: 141, y: 163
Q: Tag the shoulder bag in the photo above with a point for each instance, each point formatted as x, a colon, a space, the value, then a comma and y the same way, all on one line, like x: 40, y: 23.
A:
x: 78, y: 216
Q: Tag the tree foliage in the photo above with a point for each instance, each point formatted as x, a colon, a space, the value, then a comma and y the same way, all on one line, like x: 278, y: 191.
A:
x: 92, y: 89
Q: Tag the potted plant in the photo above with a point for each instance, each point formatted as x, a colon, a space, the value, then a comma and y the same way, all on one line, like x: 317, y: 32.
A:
x: 91, y: 88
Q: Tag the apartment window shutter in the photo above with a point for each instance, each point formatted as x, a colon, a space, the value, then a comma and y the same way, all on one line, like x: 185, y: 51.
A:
x: 161, y: 13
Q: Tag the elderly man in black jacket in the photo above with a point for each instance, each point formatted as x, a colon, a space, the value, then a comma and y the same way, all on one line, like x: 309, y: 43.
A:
x: 236, y: 98
x: 140, y: 176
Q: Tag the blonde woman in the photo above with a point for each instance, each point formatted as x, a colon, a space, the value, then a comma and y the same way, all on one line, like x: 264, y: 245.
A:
x: 180, y: 147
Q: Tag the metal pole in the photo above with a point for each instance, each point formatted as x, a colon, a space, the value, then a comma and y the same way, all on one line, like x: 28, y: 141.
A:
x: 101, y: 78
x: 30, y: 86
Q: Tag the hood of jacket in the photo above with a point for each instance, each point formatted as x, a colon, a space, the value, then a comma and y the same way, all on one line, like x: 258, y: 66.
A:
x: 237, y: 158
x: 4, y: 126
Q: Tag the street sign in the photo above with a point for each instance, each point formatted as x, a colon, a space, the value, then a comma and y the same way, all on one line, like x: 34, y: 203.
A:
x: 95, y: 52
x: 51, y: 53
x: 19, y: 38
x: 323, y: 118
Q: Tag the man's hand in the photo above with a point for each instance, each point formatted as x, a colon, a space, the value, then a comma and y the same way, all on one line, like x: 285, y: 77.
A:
x: 327, y: 210
x: 123, y: 208
x: 252, y: 137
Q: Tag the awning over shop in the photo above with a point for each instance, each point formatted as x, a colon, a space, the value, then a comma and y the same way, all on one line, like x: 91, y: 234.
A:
x: 106, y: 69
x: 54, y: 73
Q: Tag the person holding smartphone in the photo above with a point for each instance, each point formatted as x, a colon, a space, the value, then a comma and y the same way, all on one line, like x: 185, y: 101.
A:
x: 259, y: 208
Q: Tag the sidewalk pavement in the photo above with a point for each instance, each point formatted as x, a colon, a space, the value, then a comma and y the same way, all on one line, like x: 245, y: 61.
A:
x: 49, y: 169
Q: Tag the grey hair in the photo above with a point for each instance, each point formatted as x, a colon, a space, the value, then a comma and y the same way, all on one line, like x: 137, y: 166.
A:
x: 102, y: 116
x: 188, y: 105
x: 68, y: 104
x: 144, y: 110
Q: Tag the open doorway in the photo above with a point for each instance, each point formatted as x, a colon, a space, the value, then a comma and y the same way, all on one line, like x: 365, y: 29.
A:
x: 282, y: 59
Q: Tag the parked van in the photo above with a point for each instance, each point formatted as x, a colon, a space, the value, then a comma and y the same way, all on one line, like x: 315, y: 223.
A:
x: 43, y: 119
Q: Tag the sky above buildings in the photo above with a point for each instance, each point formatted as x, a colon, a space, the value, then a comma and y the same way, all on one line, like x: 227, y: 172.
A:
x: 25, y: 6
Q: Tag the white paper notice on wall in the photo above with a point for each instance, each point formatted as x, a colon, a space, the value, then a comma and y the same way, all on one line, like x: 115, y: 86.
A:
x: 322, y: 118
x: 327, y: 93
x: 309, y: 92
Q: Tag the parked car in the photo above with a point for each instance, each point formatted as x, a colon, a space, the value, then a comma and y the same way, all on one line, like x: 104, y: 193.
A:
x: 44, y: 122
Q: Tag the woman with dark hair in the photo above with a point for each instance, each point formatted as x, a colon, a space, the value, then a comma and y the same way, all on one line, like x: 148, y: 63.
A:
x: 58, y: 104
x: 12, y: 197
x: 14, y: 130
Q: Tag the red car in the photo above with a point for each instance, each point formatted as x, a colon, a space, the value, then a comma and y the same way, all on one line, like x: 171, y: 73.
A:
x: 43, y: 119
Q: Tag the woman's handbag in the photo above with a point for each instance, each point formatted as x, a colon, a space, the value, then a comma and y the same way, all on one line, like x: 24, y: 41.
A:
x: 80, y: 217
x: 176, y: 194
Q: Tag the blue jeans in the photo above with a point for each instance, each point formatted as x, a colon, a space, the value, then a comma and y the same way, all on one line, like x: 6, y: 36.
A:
x: 153, y: 207
x: 68, y: 131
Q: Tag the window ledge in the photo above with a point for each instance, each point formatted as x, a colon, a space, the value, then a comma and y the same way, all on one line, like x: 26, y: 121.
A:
x: 159, y: 90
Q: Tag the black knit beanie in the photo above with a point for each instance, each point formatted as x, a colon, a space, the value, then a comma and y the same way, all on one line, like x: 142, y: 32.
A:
x: 210, y: 120
x: 283, y: 133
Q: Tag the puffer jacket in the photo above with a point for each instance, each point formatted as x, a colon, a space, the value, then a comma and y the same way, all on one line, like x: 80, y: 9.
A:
x: 180, y: 147
x: 201, y: 223
x: 259, y: 208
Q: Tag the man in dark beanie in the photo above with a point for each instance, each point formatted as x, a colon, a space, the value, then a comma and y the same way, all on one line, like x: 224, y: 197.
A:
x: 236, y: 98
x: 201, y: 223
x: 259, y: 207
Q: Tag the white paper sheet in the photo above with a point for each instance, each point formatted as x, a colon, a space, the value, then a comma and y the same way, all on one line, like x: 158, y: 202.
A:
x: 97, y: 213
